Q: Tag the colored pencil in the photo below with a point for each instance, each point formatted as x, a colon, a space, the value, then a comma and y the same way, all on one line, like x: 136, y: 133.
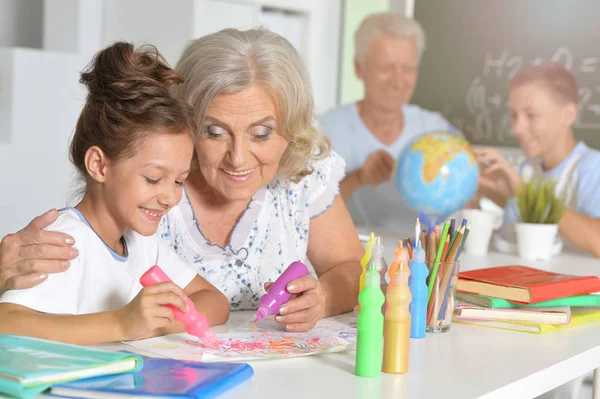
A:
x: 446, y: 248
x: 409, y: 247
x: 438, y: 258
x: 447, y: 275
x: 464, y: 239
x: 452, y: 226
x: 453, y: 237
x: 418, y: 230
x: 423, y: 240
x: 430, y: 254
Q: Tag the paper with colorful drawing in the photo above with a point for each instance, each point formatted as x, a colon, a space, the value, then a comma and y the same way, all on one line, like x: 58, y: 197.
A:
x: 262, y: 340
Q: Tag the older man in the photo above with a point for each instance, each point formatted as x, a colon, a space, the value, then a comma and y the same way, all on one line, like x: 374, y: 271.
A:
x: 371, y: 133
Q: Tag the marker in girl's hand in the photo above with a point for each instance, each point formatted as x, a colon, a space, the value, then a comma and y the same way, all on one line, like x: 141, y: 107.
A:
x: 195, y: 322
x: 277, y: 294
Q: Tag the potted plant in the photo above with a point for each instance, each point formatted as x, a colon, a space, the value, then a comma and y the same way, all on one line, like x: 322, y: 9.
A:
x: 540, y: 208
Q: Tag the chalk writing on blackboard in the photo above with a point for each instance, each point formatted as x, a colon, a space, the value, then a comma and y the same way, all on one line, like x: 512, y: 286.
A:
x: 486, y: 97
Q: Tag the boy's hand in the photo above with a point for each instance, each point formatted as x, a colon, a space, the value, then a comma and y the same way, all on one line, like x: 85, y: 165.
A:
x: 147, y: 312
x: 499, y: 180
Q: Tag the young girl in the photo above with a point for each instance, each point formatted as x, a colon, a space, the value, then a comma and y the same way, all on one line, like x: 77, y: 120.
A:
x: 543, y: 109
x: 133, y: 147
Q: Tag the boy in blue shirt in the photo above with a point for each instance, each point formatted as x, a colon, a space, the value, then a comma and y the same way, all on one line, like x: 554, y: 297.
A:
x: 543, y: 109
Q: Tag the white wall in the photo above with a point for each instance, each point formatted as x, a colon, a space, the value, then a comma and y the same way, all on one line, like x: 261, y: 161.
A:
x: 143, y: 21
x: 35, y: 174
x: 405, y: 7
x: 21, y: 23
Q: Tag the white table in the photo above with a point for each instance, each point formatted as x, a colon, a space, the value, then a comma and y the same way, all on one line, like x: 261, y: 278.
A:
x: 467, y: 362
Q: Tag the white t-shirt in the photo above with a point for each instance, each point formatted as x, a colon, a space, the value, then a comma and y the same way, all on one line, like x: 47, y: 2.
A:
x: 271, y: 234
x: 379, y: 206
x: 99, y: 279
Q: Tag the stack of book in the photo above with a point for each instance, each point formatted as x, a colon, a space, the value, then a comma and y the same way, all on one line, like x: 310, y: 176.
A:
x: 30, y: 366
x: 526, y: 299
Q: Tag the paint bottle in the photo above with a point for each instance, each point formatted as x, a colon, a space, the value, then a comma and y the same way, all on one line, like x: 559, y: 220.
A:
x: 365, y: 260
x: 400, y: 257
x: 195, y: 322
x: 379, y: 263
x: 418, y: 290
x: 369, y: 323
x: 397, y: 324
x: 277, y: 294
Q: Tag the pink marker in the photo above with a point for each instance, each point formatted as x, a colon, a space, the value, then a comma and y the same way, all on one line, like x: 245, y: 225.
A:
x: 195, y: 322
x: 277, y: 294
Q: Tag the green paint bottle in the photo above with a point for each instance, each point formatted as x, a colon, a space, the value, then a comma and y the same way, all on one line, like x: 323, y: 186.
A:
x: 369, y: 323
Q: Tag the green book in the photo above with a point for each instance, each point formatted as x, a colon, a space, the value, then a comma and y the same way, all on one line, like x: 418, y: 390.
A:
x: 29, y: 366
x: 499, y: 303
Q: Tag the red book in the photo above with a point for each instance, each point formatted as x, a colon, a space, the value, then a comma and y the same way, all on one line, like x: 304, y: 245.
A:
x: 525, y: 284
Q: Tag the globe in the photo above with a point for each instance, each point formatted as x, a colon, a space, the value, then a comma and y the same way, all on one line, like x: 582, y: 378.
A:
x: 437, y: 174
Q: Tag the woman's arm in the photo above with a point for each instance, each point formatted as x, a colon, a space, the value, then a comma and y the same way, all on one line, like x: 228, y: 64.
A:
x: 582, y: 231
x: 27, y: 256
x: 334, y: 251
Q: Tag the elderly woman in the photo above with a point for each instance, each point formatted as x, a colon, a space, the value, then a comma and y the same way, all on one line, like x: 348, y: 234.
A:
x: 264, y: 191
x: 371, y: 134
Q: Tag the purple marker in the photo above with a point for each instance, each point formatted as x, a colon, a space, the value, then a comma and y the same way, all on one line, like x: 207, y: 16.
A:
x: 277, y: 294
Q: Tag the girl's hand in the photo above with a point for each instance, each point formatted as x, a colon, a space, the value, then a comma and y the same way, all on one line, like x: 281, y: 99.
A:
x: 146, y: 313
x: 499, y: 181
x: 305, y: 308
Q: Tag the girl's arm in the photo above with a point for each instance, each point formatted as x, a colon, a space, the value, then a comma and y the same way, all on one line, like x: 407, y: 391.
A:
x: 208, y: 300
x: 86, y: 329
x: 144, y: 316
x: 581, y: 230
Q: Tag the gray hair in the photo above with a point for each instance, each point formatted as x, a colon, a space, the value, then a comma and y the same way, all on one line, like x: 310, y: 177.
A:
x: 377, y: 25
x: 230, y: 61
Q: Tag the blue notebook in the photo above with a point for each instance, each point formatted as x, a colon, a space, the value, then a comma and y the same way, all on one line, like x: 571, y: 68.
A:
x: 28, y: 366
x: 161, y: 378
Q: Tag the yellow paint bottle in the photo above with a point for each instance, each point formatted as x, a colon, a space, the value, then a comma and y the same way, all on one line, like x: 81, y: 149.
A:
x: 397, y: 324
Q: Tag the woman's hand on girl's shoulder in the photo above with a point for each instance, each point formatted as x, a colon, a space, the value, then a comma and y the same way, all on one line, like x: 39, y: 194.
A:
x: 27, y: 256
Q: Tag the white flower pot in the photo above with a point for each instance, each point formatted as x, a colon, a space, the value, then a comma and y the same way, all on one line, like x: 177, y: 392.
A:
x: 535, y: 241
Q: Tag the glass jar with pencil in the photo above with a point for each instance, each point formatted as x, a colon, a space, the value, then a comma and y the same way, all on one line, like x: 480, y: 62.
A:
x: 442, y: 247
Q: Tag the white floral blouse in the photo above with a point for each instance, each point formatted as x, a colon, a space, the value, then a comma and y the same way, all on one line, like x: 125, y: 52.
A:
x: 271, y: 234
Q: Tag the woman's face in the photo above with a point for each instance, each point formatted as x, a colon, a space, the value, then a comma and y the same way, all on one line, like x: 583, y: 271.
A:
x: 538, y: 120
x: 240, y: 144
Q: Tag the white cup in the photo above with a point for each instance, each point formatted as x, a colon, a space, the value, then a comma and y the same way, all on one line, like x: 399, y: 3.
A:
x: 483, y: 224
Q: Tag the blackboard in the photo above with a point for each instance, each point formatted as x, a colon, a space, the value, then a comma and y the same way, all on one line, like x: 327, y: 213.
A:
x: 475, y: 46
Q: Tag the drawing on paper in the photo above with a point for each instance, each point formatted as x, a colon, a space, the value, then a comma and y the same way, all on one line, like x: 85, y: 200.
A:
x: 263, y: 340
